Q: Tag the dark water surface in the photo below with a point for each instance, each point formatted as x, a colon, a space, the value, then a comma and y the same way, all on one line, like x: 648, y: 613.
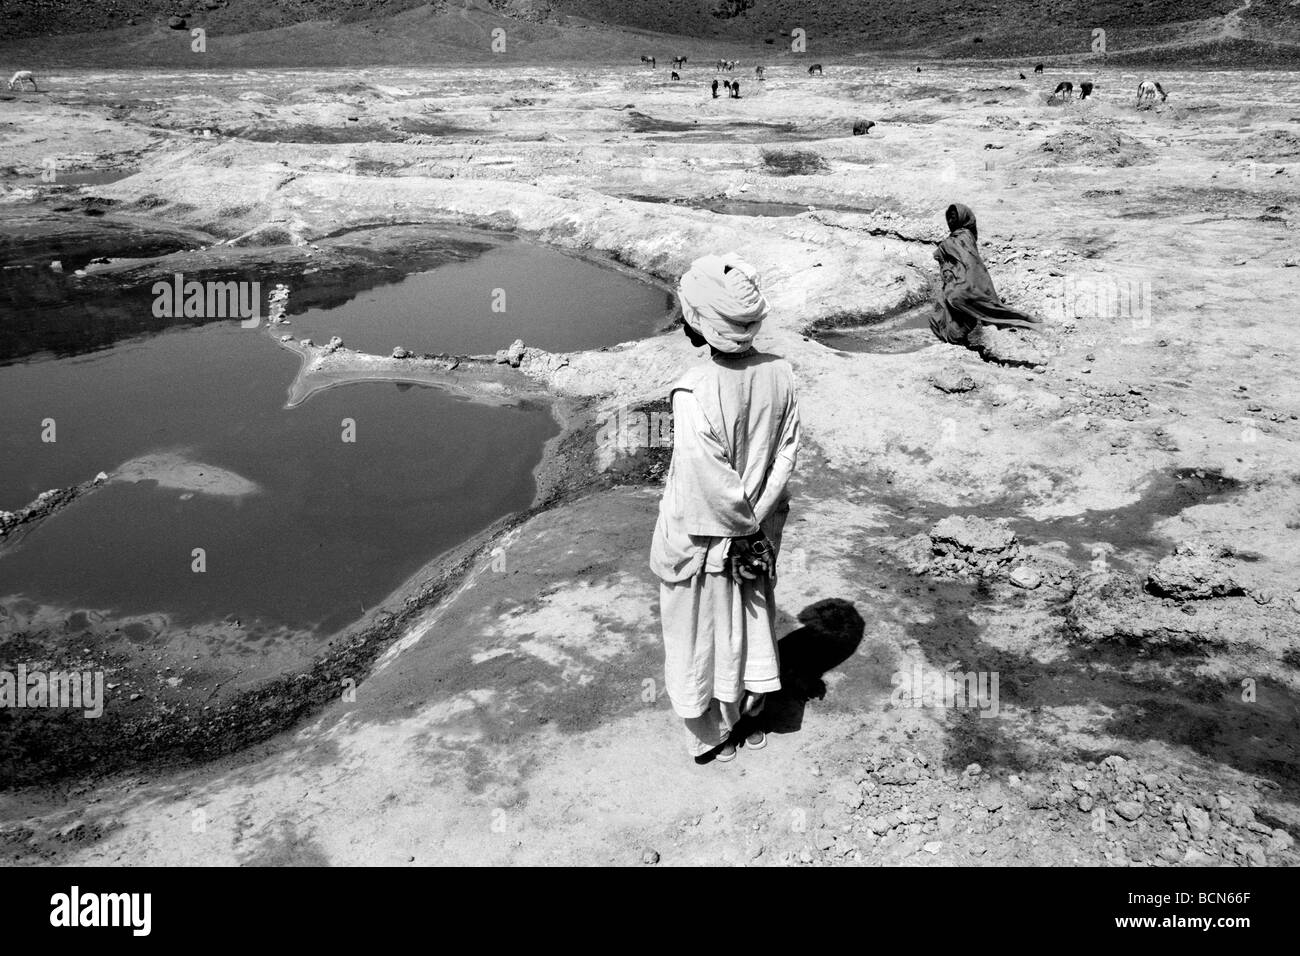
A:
x: 332, y: 526
x: 547, y: 298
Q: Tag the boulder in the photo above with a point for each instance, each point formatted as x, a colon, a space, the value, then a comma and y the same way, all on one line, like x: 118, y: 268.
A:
x: 1194, y: 571
x: 401, y: 353
x: 176, y: 23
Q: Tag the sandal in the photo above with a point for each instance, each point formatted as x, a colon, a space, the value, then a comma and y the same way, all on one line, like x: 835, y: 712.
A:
x: 756, y: 741
x: 725, y: 753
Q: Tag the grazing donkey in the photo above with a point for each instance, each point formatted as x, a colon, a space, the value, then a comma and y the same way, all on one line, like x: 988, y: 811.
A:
x: 679, y: 62
x: 816, y: 68
x: 650, y: 60
x: 21, y: 77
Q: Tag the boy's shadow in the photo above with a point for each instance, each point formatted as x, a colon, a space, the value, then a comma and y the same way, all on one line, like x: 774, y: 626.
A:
x: 832, y: 630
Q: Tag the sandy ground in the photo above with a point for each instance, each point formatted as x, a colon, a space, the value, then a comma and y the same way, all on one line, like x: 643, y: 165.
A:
x: 520, y: 717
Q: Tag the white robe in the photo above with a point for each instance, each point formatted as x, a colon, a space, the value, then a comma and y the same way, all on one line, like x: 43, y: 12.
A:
x: 735, y: 443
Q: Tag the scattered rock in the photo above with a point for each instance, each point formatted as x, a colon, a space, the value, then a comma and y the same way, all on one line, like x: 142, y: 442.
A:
x: 1129, y: 809
x: 1198, y: 822
x: 970, y: 543
x: 401, y: 353
x: 953, y: 380
x: 1193, y: 572
x: 513, y: 355
x: 650, y: 857
x: 176, y: 23
x: 1026, y: 577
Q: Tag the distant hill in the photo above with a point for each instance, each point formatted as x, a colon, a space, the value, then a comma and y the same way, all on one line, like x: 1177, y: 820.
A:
x: 326, y: 32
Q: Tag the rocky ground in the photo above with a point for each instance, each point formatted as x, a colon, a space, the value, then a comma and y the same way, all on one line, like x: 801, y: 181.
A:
x: 1102, y: 516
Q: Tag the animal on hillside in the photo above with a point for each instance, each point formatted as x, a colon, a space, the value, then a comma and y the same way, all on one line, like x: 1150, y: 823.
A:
x: 1039, y: 68
x: 1022, y: 76
x: 727, y: 85
x: 816, y: 68
x: 650, y: 60
x: 21, y: 77
x: 675, y: 76
x: 863, y: 127
x: 715, y: 89
x: 1064, y: 89
x: 735, y: 89
x: 1085, y: 89
x: 679, y: 62
x: 918, y: 69
x: 721, y: 65
x: 758, y: 71
x: 1147, y: 91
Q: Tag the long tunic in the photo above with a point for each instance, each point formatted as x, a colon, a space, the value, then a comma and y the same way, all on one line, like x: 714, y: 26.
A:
x: 735, y: 443
x: 968, y: 297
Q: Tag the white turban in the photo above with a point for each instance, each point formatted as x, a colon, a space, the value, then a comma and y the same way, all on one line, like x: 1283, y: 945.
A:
x: 724, y: 306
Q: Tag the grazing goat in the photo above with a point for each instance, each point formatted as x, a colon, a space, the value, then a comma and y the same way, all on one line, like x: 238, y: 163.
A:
x: 1147, y: 91
x: 1085, y: 89
x: 715, y: 89
x: 1039, y: 68
x: 735, y: 89
x: 1064, y: 89
x: 675, y: 76
x: 679, y: 62
x: 815, y: 68
x: 21, y: 77
x: 650, y: 60
x: 758, y: 71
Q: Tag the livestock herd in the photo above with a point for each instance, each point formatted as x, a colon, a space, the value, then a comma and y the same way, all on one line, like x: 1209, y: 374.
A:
x: 1147, y: 92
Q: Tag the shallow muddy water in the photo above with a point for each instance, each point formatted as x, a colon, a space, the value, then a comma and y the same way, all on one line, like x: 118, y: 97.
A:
x: 905, y: 331
x: 492, y: 291
x: 298, y: 527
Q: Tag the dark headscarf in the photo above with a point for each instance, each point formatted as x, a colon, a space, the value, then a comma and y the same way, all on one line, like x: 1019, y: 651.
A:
x: 968, y: 297
x: 961, y: 217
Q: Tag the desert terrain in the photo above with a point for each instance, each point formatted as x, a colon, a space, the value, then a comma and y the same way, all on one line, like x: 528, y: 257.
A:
x: 1103, y: 515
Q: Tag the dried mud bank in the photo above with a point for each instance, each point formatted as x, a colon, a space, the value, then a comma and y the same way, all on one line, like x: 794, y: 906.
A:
x: 1133, y: 589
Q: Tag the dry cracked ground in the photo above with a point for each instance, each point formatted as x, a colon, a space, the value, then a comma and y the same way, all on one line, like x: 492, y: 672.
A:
x: 1103, y: 518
